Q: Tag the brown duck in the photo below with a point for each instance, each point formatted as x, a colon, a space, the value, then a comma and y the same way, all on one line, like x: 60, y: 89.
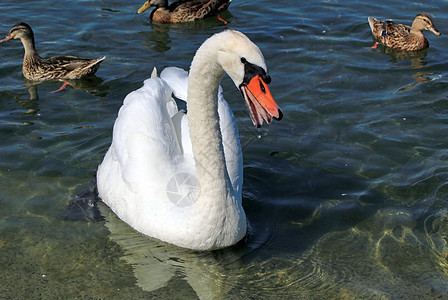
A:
x: 184, y: 10
x: 403, y: 37
x: 53, y: 68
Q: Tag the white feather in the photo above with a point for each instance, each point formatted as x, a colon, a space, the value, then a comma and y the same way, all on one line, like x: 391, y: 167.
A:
x: 152, y: 146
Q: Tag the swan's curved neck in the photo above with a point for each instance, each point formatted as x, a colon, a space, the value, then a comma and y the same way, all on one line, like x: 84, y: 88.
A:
x: 206, y: 139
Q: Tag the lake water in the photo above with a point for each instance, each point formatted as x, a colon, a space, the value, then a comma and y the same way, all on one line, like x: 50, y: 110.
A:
x: 347, y: 195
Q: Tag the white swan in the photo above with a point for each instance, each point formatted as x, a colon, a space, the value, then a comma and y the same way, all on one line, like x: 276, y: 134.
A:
x: 178, y: 177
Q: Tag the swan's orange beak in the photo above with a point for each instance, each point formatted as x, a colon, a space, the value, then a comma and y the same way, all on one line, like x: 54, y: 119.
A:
x: 260, y: 102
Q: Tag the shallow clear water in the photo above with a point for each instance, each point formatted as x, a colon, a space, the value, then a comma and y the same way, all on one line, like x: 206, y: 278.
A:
x: 347, y: 195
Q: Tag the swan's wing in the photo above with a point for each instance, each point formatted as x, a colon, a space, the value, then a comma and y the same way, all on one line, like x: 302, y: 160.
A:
x: 177, y: 79
x: 145, y: 149
x: 170, y: 103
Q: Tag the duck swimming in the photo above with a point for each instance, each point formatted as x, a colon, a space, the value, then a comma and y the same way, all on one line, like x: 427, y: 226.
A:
x: 178, y: 176
x: 53, y: 68
x: 403, y: 37
x: 184, y: 10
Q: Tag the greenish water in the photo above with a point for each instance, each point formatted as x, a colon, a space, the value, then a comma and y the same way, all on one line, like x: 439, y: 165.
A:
x: 347, y: 195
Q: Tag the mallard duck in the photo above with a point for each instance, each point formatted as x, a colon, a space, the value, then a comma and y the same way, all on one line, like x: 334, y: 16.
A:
x: 178, y: 176
x: 53, y: 68
x: 183, y: 10
x: 403, y: 37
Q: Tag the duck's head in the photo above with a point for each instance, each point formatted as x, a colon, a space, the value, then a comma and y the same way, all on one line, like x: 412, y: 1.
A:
x: 20, y: 31
x: 152, y: 3
x: 424, y: 22
x: 243, y: 61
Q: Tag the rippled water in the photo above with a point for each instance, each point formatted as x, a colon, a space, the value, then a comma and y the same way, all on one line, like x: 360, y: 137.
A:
x: 347, y: 195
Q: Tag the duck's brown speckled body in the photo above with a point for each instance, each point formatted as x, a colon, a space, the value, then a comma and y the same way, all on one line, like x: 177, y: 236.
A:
x: 184, y: 10
x: 403, y: 37
x: 53, y: 68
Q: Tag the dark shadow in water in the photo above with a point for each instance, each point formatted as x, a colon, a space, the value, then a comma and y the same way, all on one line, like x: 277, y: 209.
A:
x: 310, y: 202
x: 85, y: 206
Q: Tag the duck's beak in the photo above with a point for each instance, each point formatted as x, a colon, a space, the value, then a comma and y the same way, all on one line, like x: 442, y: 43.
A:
x: 260, y: 102
x: 144, y: 7
x: 434, y: 30
x: 7, y: 38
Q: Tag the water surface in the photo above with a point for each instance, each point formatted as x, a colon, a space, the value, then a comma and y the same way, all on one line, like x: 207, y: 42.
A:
x: 346, y: 196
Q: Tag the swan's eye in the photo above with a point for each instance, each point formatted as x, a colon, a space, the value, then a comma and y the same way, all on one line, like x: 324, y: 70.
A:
x: 243, y: 60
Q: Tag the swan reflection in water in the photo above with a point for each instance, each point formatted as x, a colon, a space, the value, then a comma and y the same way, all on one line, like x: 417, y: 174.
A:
x: 155, y: 263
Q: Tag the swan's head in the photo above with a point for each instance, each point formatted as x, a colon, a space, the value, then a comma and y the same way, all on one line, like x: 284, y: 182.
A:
x: 243, y: 61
